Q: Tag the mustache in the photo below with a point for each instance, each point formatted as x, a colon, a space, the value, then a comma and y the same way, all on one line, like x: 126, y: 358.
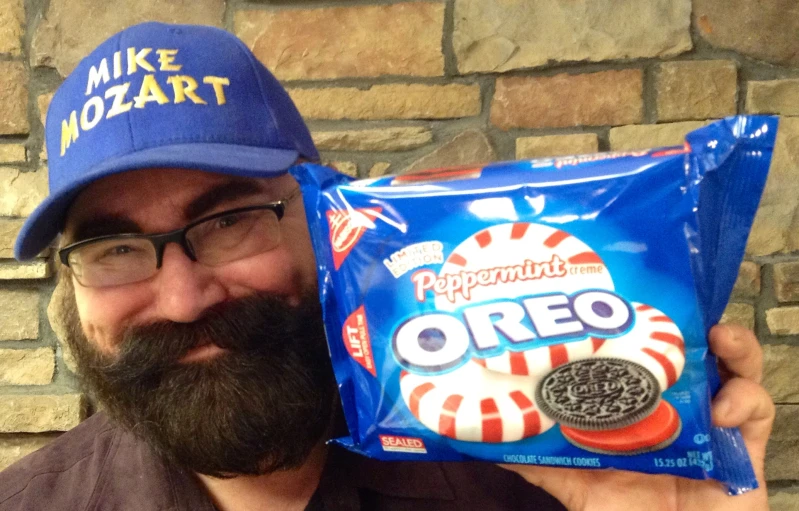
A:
x: 148, y: 351
x: 259, y: 408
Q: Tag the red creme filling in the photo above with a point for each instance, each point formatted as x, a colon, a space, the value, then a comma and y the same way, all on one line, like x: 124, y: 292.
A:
x: 656, y: 428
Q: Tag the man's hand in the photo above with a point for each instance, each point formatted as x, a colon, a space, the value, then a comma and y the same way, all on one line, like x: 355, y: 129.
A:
x: 742, y: 402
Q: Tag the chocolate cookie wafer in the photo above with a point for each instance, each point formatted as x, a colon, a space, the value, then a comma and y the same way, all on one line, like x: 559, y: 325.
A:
x: 598, y: 394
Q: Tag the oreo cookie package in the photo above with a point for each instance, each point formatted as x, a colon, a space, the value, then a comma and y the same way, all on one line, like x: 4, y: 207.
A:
x: 550, y: 312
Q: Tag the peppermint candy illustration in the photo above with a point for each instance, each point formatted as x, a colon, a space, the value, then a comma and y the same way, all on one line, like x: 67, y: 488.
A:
x: 474, y: 404
x: 654, y: 341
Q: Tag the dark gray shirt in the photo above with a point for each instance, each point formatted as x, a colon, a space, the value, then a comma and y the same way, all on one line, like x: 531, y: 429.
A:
x: 98, y: 466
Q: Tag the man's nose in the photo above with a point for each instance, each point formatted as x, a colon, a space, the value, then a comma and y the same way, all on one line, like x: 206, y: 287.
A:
x: 185, y: 289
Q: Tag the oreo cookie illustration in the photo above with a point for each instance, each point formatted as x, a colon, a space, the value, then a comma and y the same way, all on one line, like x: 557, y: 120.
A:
x: 598, y: 394
x: 657, y: 431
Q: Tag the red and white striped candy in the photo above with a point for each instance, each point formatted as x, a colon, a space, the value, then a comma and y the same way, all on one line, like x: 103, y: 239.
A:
x: 654, y: 341
x: 474, y: 404
x: 538, y: 362
x: 511, y: 244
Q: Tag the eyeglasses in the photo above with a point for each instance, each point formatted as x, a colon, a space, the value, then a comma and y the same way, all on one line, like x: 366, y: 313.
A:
x: 217, y: 239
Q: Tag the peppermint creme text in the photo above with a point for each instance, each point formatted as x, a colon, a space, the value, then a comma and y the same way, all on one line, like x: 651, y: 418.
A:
x: 463, y: 282
x: 440, y: 341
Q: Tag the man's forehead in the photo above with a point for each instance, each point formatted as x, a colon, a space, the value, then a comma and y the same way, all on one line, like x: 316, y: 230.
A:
x: 170, y: 192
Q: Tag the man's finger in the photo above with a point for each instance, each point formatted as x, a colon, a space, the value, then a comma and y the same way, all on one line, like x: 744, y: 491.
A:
x: 745, y: 404
x: 738, y: 350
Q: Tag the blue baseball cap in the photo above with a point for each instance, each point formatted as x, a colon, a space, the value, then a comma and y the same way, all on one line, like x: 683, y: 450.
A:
x: 158, y: 95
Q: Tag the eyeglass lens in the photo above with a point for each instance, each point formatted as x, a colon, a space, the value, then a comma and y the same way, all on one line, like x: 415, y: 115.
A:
x: 118, y: 261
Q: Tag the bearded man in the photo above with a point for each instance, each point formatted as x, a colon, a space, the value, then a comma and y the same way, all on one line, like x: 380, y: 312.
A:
x: 190, y: 304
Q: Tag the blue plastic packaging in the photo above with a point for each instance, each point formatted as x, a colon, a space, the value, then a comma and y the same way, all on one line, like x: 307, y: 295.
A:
x: 452, y: 296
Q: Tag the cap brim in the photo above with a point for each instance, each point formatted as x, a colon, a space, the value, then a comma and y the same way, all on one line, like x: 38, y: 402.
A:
x: 46, y: 221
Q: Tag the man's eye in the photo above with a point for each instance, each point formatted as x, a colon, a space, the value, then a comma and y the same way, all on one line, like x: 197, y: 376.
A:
x: 119, y: 250
x: 227, y: 221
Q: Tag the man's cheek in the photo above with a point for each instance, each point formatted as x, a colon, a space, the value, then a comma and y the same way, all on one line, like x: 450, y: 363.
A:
x: 278, y: 271
x: 101, y: 320
x: 298, y: 242
x: 99, y: 337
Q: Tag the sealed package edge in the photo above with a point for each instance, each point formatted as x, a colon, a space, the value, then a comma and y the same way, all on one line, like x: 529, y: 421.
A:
x: 550, y: 312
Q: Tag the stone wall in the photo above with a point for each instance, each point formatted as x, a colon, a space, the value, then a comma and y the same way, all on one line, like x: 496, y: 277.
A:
x: 392, y: 86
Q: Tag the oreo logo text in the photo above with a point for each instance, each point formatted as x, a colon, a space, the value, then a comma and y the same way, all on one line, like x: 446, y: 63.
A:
x: 440, y: 341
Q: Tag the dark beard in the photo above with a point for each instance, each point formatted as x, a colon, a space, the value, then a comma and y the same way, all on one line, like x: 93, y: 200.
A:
x: 258, y: 408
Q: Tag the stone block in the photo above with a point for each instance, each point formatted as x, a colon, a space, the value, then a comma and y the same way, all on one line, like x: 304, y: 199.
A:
x: 43, y: 102
x: 762, y: 30
x: 776, y: 226
x: 747, y: 284
x: 9, y: 228
x: 346, y: 167
x: 787, y: 417
x: 783, y: 320
x: 13, y: 99
x: 22, y: 191
x: 783, y: 501
x: 383, y: 139
x: 40, y: 413
x: 334, y: 42
x: 556, y: 145
x: 697, y: 89
x: 646, y: 136
x: 786, y: 281
x: 379, y: 169
x: 592, y: 99
x: 27, y: 366
x: 500, y: 36
x: 780, y: 367
x: 15, y: 447
x: 64, y: 36
x: 739, y: 313
x: 12, y: 20
x: 40, y: 269
x: 782, y: 452
x: 19, y: 314
x: 466, y: 148
x: 396, y: 101
x: 12, y: 153
x: 782, y: 460
x: 773, y: 97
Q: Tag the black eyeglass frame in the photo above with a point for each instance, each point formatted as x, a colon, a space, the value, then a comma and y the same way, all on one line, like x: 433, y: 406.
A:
x: 160, y: 240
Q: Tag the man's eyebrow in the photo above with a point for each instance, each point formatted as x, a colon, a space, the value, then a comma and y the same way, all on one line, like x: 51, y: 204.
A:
x: 229, y: 191
x: 103, y: 226
x: 112, y: 224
